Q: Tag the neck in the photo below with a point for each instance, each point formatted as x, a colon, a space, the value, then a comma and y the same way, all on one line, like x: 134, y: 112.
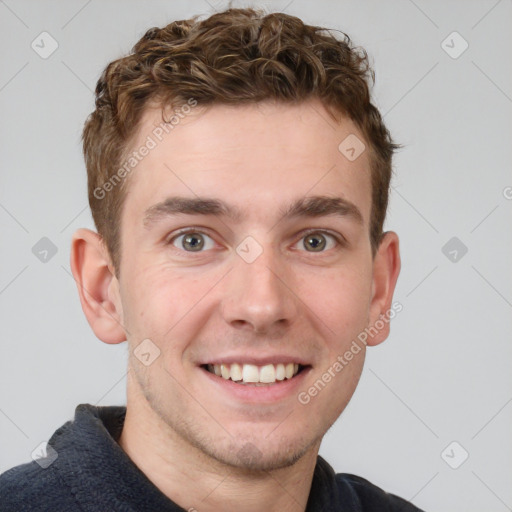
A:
x: 196, y: 482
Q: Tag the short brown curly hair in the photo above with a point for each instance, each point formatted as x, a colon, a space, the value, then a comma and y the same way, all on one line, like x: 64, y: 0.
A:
x: 237, y: 56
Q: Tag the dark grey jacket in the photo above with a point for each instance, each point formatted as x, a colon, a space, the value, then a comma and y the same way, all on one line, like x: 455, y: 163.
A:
x: 92, y: 473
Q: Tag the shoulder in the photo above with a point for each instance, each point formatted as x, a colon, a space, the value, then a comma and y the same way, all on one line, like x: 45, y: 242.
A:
x: 373, y: 498
x: 29, y: 487
x: 345, y: 491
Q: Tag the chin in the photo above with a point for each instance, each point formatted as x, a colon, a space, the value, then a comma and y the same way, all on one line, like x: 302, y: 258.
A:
x: 259, y: 455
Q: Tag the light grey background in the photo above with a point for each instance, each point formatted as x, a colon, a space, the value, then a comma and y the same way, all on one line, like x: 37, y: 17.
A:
x: 442, y: 376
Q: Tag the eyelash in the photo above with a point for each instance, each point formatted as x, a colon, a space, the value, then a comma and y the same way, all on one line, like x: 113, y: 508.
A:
x: 339, y: 240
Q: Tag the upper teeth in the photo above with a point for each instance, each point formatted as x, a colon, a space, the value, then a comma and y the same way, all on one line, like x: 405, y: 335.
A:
x: 251, y: 373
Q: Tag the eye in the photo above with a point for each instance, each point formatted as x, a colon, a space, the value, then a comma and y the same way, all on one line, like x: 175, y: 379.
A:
x: 318, y: 241
x: 197, y: 241
x: 192, y: 241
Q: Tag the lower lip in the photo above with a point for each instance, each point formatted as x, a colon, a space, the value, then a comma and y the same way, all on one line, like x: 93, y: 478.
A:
x: 259, y: 394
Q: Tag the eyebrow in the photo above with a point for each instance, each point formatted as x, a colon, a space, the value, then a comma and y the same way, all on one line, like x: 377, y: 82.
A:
x: 311, y: 206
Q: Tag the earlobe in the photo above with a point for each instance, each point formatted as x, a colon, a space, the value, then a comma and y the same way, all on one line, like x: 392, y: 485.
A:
x: 97, y: 286
x: 386, y: 268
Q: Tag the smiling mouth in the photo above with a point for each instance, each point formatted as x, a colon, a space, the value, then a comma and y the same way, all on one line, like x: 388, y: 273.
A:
x: 255, y: 375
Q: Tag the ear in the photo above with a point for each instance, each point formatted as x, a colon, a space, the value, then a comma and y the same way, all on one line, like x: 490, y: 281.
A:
x: 386, y: 267
x: 98, y: 287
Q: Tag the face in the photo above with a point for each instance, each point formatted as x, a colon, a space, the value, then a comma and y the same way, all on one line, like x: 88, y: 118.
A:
x: 246, y: 262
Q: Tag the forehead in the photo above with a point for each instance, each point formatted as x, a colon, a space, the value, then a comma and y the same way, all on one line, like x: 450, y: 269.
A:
x: 256, y: 157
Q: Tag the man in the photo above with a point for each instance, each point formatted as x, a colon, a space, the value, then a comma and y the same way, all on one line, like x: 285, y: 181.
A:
x: 238, y: 179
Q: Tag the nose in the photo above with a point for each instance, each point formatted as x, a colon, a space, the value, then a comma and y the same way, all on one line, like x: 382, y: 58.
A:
x: 259, y: 296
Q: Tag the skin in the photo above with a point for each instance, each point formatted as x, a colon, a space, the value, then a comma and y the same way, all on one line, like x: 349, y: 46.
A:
x: 188, y: 434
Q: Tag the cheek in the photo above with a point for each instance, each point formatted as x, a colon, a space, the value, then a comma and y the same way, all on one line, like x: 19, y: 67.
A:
x: 341, y: 298
x: 160, y: 302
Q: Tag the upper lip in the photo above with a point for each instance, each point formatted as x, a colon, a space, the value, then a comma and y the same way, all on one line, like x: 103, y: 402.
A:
x: 257, y: 360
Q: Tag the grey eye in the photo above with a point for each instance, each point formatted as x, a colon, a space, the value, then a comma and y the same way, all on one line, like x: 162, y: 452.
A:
x: 316, y: 242
x: 192, y: 242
